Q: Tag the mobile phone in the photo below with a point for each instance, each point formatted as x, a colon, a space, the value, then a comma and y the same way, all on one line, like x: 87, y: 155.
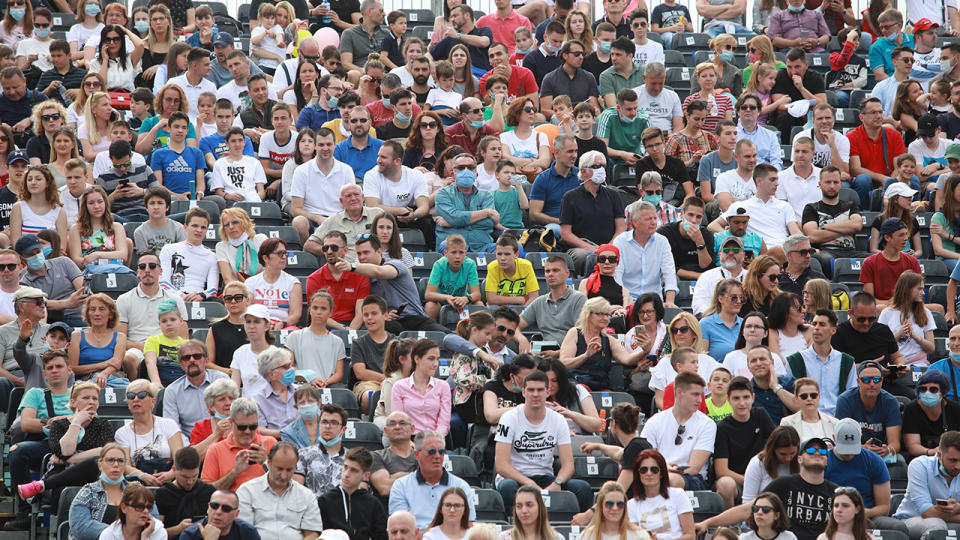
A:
x: 943, y: 502
x: 653, y: 359
x: 401, y: 307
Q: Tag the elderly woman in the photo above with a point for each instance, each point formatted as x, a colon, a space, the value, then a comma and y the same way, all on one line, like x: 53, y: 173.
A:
x: 134, y: 517
x: 150, y: 440
x: 274, y: 288
x: 227, y: 335
x: 304, y: 431
x: 810, y: 421
x: 239, y: 246
x: 97, y: 351
x: 275, y: 400
x: 929, y: 416
x: 218, y: 397
x: 48, y: 117
x: 588, y: 351
x: 75, y: 442
x: 650, y: 184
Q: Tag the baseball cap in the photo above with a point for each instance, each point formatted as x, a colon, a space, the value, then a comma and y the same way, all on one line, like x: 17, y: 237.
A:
x: 899, y: 188
x: 735, y: 239
x: 26, y: 244
x: 927, y: 125
x: 28, y: 292
x: 953, y: 151
x: 17, y: 155
x: 224, y: 39
x: 890, y: 226
x: 869, y: 363
x: 924, y: 24
x: 63, y: 327
x: 259, y: 311
x: 825, y: 443
x: 738, y: 209
x: 848, y: 437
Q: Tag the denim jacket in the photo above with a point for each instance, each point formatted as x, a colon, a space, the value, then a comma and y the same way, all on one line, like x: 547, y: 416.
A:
x: 87, y: 509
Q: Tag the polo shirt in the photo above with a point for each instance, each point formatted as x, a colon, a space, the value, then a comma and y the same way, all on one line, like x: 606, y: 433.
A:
x: 797, y: 190
x: 360, y: 160
x: 360, y: 44
x: 193, y: 92
x: 623, y: 27
x: 314, y: 116
x: 723, y: 339
x: 183, y: 401
x: 592, y: 217
x: 622, y: 136
x: 789, y: 25
x: 827, y: 374
x: 581, y: 87
x: 949, y: 123
x: 413, y: 494
x: 870, y: 151
x: 139, y: 311
x: 503, y: 28
x: 882, y: 49
x: 541, y: 63
x: 12, y: 112
x: 926, y: 486
x: 554, y: 318
x: 321, y: 192
x: 345, y: 291
x: 56, y: 281
x: 221, y: 457
x: 72, y: 79
x: 766, y: 142
x: 768, y: 399
x: 611, y: 81
x: 342, y: 222
x: 458, y: 134
x: 478, y: 55
x: 770, y: 219
x: 550, y: 187
x: 521, y: 82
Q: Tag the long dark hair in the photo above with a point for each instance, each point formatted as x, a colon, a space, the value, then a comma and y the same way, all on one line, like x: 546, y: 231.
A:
x: 122, y: 57
x: 859, y: 521
x: 415, y: 140
x: 781, y: 437
x: 464, y: 518
x: 782, y: 522
x: 566, y: 390
x: 393, y: 247
x: 297, y: 156
x: 741, y: 341
x: 638, y: 490
x: 298, y: 88
x: 633, y: 318
x: 520, y: 361
x: 780, y: 309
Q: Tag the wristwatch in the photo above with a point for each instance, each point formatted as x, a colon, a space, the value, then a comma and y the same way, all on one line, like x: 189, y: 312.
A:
x: 777, y: 388
x: 459, y: 34
x: 701, y: 247
x: 353, y: 267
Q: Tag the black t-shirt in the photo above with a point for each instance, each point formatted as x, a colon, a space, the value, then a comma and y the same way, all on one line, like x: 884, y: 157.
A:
x: 7, y: 200
x: 739, y: 441
x: 808, y: 505
x: 586, y: 145
x: 391, y: 131
x: 684, y: 249
x: 505, y: 397
x: 917, y: 421
x: 812, y: 81
x: 344, y: 9
x: 877, y: 342
x: 227, y: 338
x: 593, y: 64
x: 39, y: 147
x: 673, y: 174
x: 950, y: 124
x: 629, y: 457
x: 421, y: 97
x: 823, y: 214
x: 795, y: 286
x: 368, y: 352
x: 175, y: 504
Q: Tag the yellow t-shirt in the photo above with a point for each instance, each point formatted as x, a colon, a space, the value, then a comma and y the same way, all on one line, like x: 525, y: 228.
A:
x: 521, y: 283
x: 166, y: 349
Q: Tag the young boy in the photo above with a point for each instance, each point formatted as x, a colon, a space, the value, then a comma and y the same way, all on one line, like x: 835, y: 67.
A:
x: 179, y: 167
x: 718, y: 161
x: 277, y: 146
x: 238, y: 177
x: 367, y: 352
x: 159, y: 230
x: 563, y: 115
x: 681, y: 360
x: 188, y: 267
x: 364, y: 515
x: 58, y: 337
x: 496, y: 86
x: 647, y: 50
x: 75, y: 172
x: 524, y: 44
x: 330, y: 56
x: 454, y: 280
x: 904, y: 171
x: 140, y: 102
x: 266, y: 40
x: 670, y: 18
x: 940, y: 97
x: 718, y: 406
x: 740, y: 436
x: 510, y: 279
x: 391, y: 45
x: 119, y: 130
x: 206, y: 29
x: 214, y: 146
x: 848, y: 70
x: 929, y: 149
x: 401, y: 101
x: 509, y: 199
x: 160, y: 351
x: 444, y: 99
x: 17, y: 163
x: 585, y: 118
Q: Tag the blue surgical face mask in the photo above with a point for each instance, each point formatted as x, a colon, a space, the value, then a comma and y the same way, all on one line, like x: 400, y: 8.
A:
x: 605, y: 47
x: 329, y: 443
x: 35, y: 262
x: 466, y: 178
x: 385, y: 101
x: 955, y: 356
x: 476, y: 124
x: 91, y: 9
x: 552, y: 49
x: 930, y: 399
x: 796, y: 9
x: 219, y: 416
x: 289, y: 376
x: 402, y: 118
x: 726, y: 56
x: 524, y: 51
x: 41, y: 32
x: 653, y: 199
x: 106, y: 480
x: 18, y: 13
x: 333, y: 101
x: 627, y: 119
x: 47, y: 250
x: 308, y: 412
x: 141, y: 26
x: 686, y: 225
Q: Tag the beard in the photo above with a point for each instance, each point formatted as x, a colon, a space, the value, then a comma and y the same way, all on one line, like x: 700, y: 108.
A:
x: 421, y: 79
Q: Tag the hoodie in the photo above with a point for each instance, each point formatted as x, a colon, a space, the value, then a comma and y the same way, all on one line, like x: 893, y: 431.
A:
x: 360, y: 514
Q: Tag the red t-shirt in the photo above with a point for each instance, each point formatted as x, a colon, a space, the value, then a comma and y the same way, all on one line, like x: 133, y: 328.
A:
x: 870, y: 150
x: 380, y: 114
x: 669, y: 396
x: 345, y: 293
x: 883, y: 274
x: 516, y: 59
x: 201, y: 430
x: 522, y: 82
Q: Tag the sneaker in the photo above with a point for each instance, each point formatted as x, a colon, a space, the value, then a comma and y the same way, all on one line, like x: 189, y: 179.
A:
x: 18, y: 524
x: 31, y: 490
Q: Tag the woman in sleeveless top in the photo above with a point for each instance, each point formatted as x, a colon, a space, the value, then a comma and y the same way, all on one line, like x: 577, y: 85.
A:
x: 97, y: 243
x: 788, y: 333
x: 227, y: 335
x: 589, y: 351
x: 238, y: 246
x: 601, y: 282
x: 39, y: 206
x: 280, y: 292
x: 95, y: 352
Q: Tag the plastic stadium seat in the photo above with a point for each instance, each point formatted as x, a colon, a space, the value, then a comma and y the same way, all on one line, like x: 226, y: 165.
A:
x: 423, y: 263
x: 576, y: 441
x: 199, y: 334
x: 561, y: 505
x: 262, y: 213
x: 679, y: 78
x: 288, y: 234
x: 847, y: 270
x: 539, y: 259
x: 691, y: 42
x: 343, y: 397
x: 423, y: 32
x: 63, y: 21
x: 113, y: 284
x: 113, y: 403
x: 702, y: 56
x: 595, y: 470
x: 846, y: 118
x: 199, y: 314
x: 608, y: 400
x: 219, y: 8
x: 178, y: 206
x: 348, y: 337
x: 934, y: 272
x: 449, y: 317
x: 819, y: 62
x: 489, y: 506
x: 413, y: 240
x: 942, y: 327
x: 436, y: 337
x: 463, y: 467
x: 568, y: 532
x: 742, y: 39
x: 421, y: 17
x: 886, y: 534
x: 302, y: 263
x: 674, y: 59
x: 937, y: 294
x: 243, y: 12
x: 624, y: 175
x: 362, y: 433
x: 856, y: 96
x: 705, y: 504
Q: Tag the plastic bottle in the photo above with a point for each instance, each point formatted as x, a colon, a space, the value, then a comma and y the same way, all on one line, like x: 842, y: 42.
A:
x: 326, y: 5
x: 193, y: 189
x: 603, y: 422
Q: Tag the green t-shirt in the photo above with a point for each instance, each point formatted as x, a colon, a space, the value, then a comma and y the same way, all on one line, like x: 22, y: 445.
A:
x: 166, y: 349
x: 941, y: 220
x: 747, y: 70
x: 622, y: 136
x: 718, y: 413
x: 507, y: 203
x: 163, y: 135
x: 36, y: 400
x: 454, y: 283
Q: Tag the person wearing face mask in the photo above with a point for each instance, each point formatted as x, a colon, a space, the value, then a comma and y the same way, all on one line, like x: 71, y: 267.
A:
x: 932, y: 478
x: 930, y: 416
x: 218, y: 396
x: 33, y: 52
x: 465, y: 210
x: 621, y: 128
x: 951, y: 364
x: 275, y: 400
x: 798, y: 26
x: 546, y: 58
x: 401, y: 102
x: 319, y: 466
x: 58, y: 277
x: 591, y: 214
x: 891, y: 26
x: 240, y: 457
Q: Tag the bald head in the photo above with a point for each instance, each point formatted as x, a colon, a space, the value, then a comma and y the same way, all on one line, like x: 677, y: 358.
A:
x: 401, y: 525
x: 309, y: 46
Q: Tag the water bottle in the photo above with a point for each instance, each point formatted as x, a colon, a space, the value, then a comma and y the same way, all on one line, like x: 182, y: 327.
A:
x: 603, y: 422
x: 193, y: 189
x: 326, y: 5
x: 63, y: 94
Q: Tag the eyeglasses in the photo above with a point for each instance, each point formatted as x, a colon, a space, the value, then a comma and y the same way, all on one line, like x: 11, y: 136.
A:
x: 431, y: 125
x: 647, y: 312
x: 804, y: 252
x: 868, y: 319
x: 364, y: 236
x: 654, y: 192
x: 140, y: 507
x: 761, y: 508
x: 611, y: 259
x: 92, y: 84
x: 811, y: 451
x: 679, y: 330
x: 530, y: 110
x: 109, y: 39
x: 331, y: 247
x: 4, y: 138
x: 171, y: 100
x: 359, y: 120
x: 114, y: 460
x: 733, y: 250
x: 376, y: 80
x: 9, y: 267
x: 505, y: 330
x: 653, y: 469
x: 612, y: 504
x: 246, y: 427
x: 218, y: 506
x: 736, y: 299
x: 933, y: 389
x: 234, y: 298
x: 875, y: 379
x: 811, y: 395
x: 398, y: 423
x: 748, y: 107
x: 36, y: 301
x: 194, y: 356
x: 330, y: 423
x: 773, y: 277
x: 679, y: 438
x: 453, y: 506
x: 601, y: 313
x: 137, y: 395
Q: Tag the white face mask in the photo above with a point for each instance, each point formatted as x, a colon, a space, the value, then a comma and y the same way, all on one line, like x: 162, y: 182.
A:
x: 236, y: 242
x: 598, y: 176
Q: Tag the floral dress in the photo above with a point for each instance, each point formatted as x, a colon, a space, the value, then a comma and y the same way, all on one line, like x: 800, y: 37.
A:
x: 469, y: 375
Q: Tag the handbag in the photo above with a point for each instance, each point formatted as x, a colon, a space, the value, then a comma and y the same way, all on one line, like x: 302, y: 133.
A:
x: 120, y: 99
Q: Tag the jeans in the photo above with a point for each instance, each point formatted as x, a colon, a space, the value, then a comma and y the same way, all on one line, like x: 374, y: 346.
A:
x: 25, y: 456
x: 667, y: 38
x: 843, y: 98
x: 951, y: 263
x: 914, y: 184
x: 728, y: 27
x: 862, y: 183
x: 508, y: 489
x: 555, y: 227
x: 169, y: 372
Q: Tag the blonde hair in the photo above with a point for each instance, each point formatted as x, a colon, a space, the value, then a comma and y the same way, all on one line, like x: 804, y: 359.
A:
x: 594, y: 530
x: 80, y: 5
x: 592, y: 304
x: 38, y: 112
x: 720, y: 40
x: 760, y: 69
x: 239, y: 214
x: 152, y: 39
x: 80, y: 387
x: 703, y: 66
x: 765, y: 46
x: 752, y: 289
x: 722, y: 289
x: 143, y: 384
x: 93, y: 101
x: 691, y: 320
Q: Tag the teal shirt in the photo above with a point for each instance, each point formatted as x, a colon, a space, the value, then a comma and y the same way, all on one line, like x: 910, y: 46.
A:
x: 622, y: 136
x: 454, y: 283
x: 35, y: 399
x: 507, y: 204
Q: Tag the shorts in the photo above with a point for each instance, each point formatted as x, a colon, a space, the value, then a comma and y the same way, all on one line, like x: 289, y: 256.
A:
x: 694, y: 482
x: 363, y: 387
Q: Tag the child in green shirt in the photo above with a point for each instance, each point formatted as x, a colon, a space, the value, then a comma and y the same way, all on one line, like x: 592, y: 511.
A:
x: 718, y: 406
x: 160, y: 352
x: 509, y: 199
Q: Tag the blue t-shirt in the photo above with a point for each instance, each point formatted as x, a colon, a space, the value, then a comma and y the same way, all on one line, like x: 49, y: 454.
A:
x: 873, y: 423
x: 722, y: 339
x: 550, y: 188
x: 946, y: 366
x: 216, y: 144
x: 178, y: 168
x: 865, y: 470
x: 455, y: 283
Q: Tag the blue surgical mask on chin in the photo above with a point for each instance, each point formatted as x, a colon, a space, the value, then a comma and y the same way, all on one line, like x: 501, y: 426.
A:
x: 930, y: 399
x: 219, y: 416
x: 726, y: 56
x: 796, y: 9
x: 106, y: 480
x: 524, y: 51
x: 35, y: 262
x: 333, y: 101
x: 955, y: 356
x: 47, y: 250
x: 402, y: 118
x: 476, y: 124
x: 329, y: 443
x: 385, y: 101
x: 466, y: 178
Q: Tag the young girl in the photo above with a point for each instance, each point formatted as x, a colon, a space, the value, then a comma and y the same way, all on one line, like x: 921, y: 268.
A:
x: 848, y: 520
x: 305, y: 151
x: 175, y: 64
x: 266, y: 40
x: 768, y: 519
x: 39, y: 206
x: 897, y: 206
x: 509, y: 199
x: 256, y: 324
x: 89, y: 24
x: 93, y: 134
x: 385, y: 226
x: 761, y: 84
x: 97, y: 243
x: 525, y: 44
x: 206, y: 120
x: 578, y: 29
x: 909, y: 320
x: 424, y: 398
x: 718, y: 406
x: 464, y: 81
x: 314, y: 348
x: 397, y: 365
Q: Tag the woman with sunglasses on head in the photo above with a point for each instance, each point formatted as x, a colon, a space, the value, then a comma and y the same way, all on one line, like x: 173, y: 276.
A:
x: 778, y: 458
x: 227, y: 335
x: 91, y: 83
x: 848, y: 517
x: 530, y: 519
x: 729, y: 77
x: 239, y: 246
x: 930, y: 415
x: 528, y: 148
x: 48, y: 117
x: 426, y: 139
x: 768, y: 519
x: 134, y: 517
x: 150, y: 441
x: 721, y: 321
x: 788, y: 332
x: 910, y: 321
x: 656, y: 507
x: 610, y: 517
x: 569, y: 398
x: 761, y: 285
x: 452, y: 518
x: 276, y: 289
x: 753, y: 332
x: 810, y: 421
x: 684, y: 331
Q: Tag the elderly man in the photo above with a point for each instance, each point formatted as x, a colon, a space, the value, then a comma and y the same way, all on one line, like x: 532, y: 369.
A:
x: 590, y: 214
x: 737, y: 221
x: 241, y: 456
x: 58, y: 277
x: 546, y: 195
x: 419, y: 492
x: 731, y: 254
x: 662, y: 105
x: 467, y: 133
x: 830, y: 147
x: 354, y: 219
x: 278, y: 507
x: 222, y: 47
x: 646, y: 261
x: 396, y: 460
x: 876, y: 410
x: 28, y: 305
x: 359, y: 150
x: 798, y: 26
x: 570, y: 79
x: 357, y: 42
x: 833, y: 370
x: 797, y: 272
x: 315, y: 183
x: 402, y: 525
x: 222, y: 520
x: 183, y: 398
x: 464, y: 209
x: 621, y: 128
x: 799, y: 83
x: 932, y: 479
x: 463, y: 29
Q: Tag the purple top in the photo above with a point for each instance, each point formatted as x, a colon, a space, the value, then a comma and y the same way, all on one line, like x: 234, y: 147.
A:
x: 273, y: 412
x: 789, y: 25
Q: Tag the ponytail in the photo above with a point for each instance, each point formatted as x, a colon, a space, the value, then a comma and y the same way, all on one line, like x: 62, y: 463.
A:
x: 627, y: 417
x: 477, y: 319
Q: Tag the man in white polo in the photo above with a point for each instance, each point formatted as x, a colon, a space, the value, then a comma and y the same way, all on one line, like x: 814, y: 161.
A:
x: 315, y: 189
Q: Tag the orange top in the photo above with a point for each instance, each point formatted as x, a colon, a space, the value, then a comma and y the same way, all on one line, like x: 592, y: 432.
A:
x: 222, y: 456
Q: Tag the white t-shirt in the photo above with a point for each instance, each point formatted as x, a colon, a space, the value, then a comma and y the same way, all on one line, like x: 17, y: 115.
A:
x: 662, y: 108
x: 6, y: 303
x: 532, y: 444
x: 438, y: 97
x: 920, y: 9
x: 118, y: 76
x: 524, y: 148
x: 663, y: 373
x: 320, y: 192
x: 29, y: 46
x: 770, y: 219
x: 245, y: 360
x: 268, y: 44
x: 206, y: 130
x: 239, y: 97
x: 434, y: 533
x: 821, y: 152
x: 276, y: 153
x: 731, y: 182
x: 661, y: 431
x: 188, y: 268
x: 485, y: 181
x: 276, y: 295
x: 79, y: 34
x: 651, y: 52
x: 908, y: 346
x: 101, y: 147
x: 150, y: 445
x: 660, y: 516
x: 582, y: 394
x: 756, y: 477
x: 736, y: 363
x: 103, y: 164
x: 406, y: 78
x: 74, y: 116
x: 924, y: 156
x: 402, y: 193
x: 241, y: 176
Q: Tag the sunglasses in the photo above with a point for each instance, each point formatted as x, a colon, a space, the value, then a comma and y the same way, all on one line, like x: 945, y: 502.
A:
x: 109, y: 39
x: 731, y: 250
x: 138, y: 395
x: 804, y: 252
x: 434, y: 451
x: 578, y: 54
x: 281, y: 253
x: 359, y: 120
x: 225, y: 507
x: 140, y: 507
x: 654, y: 192
x: 364, y: 236
x: 431, y: 125
x: 234, y: 298
x: 736, y: 299
x: 124, y: 164
x: 679, y: 330
x: 875, y: 379
x: 934, y: 389
x: 653, y: 469
x: 868, y: 319
x: 246, y: 427
x: 92, y: 84
x: 773, y: 277
x: 530, y: 110
x: 612, y: 504
x: 748, y: 108
x: 679, y: 438
x: 811, y: 395
x: 144, y: 266
x: 194, y: 356
x: 475, y: 111
x: 331, y: 247
x: 811, y: 451
x: 761, y: 508
x: 9, y: 267
x: 612, y: 259
x: 504, y: 329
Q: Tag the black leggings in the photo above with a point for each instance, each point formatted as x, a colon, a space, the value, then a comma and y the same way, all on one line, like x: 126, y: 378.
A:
x: 75, y: 474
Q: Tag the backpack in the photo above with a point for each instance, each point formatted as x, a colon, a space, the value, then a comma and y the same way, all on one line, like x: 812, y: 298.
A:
x: 226, y: 23
x: 840, y: 300
x: 538, y: 239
